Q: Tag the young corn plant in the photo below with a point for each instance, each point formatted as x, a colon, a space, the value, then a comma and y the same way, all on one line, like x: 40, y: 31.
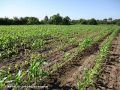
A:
x: 90, y: 73
x: 2, y: 83
x: 19, y: 77
x: 35, y: 71
x: 87, y: 42
x: 66, y: 56
x: 38, y: 44
x: 5, y: 78
x: 72, y: 41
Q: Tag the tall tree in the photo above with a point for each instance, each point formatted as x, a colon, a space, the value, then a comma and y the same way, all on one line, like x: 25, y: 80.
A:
x: 46, y: 19
x: 16, y: 21
x: 32, y: 20
x: 56, y: 19
x: 92, y: 22
x: 83, y: 21
x: 66, y: 21
x: 105, y: 21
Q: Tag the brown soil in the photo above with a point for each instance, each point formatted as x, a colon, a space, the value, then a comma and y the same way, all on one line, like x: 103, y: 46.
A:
x: 23, y: 55
x: 66, y: 77
x: 109, y: 78
x: 58, y: 57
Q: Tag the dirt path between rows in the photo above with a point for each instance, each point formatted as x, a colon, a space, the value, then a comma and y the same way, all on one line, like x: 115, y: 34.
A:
x: 109, y: 78
x: 66, y: 77
x: 58, y: 57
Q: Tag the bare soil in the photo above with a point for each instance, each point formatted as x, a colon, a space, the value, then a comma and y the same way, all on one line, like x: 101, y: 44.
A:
x: 58, y: 56
x: 66, y: 77
x: 109, y: 78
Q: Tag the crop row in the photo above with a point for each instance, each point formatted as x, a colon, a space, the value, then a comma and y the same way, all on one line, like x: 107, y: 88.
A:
x: 89, y: 74
x: 13, y: 37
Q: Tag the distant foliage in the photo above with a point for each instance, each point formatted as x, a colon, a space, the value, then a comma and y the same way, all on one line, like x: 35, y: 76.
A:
x: 118, y: 23
x: 56, y: 19
x: 92, y: 22
x: 83, y: 21
x: 66, y: 21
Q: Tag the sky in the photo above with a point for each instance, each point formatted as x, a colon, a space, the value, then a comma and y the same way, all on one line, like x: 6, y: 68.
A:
x: 75, y: 9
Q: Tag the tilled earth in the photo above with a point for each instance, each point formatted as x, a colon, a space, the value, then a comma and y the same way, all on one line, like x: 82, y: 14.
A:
x: 109, y: 78
x: 66, y: 77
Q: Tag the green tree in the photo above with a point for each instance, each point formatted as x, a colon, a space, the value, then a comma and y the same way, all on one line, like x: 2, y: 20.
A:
x: 105, y: 21
x: 32, y: 20
x: 66, y: 21
x: 16, y: 20
x: 109, y: 20
x: 83, y: 21
x: 46, y: 19
x: 55, y: 19
x: 92, y: 22
x: 118, y: 22
x: 23, y: 21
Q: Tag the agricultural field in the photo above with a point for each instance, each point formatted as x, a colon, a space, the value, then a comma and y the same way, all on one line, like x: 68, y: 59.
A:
x: 62, y: 57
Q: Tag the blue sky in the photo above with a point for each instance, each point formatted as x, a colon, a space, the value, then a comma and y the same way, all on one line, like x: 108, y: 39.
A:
x: 75, y: 9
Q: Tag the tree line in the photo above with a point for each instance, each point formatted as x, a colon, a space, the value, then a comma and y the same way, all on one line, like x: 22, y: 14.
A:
x: 56, y: 20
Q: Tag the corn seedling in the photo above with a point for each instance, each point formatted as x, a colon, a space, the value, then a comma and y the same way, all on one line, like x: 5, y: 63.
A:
x: 90, y: 73
x: 35, y: 70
